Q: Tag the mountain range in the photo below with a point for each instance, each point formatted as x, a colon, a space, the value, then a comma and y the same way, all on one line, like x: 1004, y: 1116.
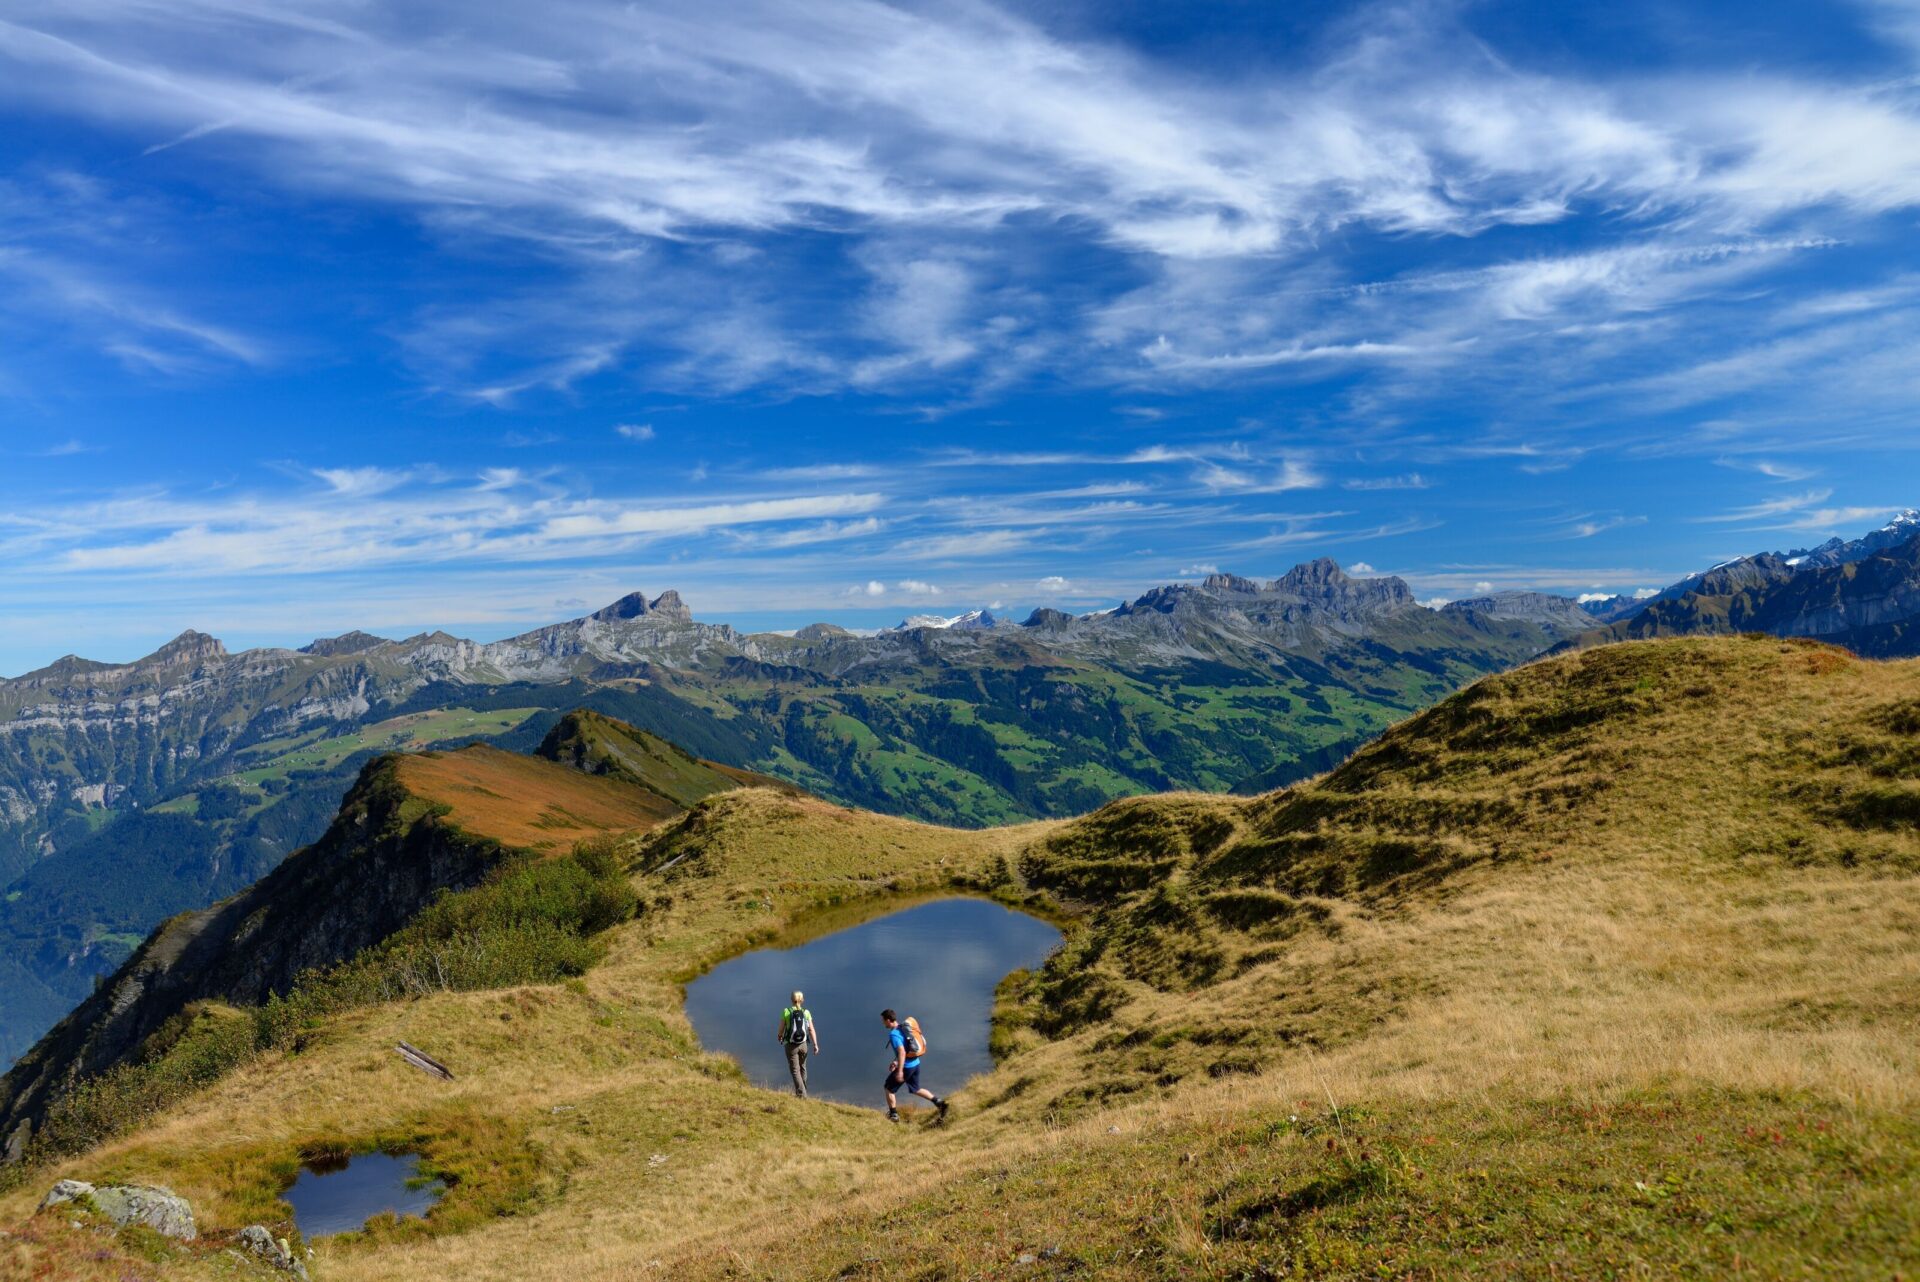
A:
x: 1863, y: 594
x: 132, y: 791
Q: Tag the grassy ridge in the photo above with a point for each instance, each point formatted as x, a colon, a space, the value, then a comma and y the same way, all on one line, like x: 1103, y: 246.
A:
x: 1603, y: 968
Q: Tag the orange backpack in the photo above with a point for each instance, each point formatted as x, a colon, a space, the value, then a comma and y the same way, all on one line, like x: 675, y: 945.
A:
x: 916, y: 1040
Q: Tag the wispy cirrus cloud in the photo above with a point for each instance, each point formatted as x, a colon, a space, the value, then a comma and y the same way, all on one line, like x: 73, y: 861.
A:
x: 361, y: 519
x: 1771, y: 507
x: 644, y: 153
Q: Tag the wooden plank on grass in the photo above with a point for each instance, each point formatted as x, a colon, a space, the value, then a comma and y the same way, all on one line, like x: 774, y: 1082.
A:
x: 423, y: 1061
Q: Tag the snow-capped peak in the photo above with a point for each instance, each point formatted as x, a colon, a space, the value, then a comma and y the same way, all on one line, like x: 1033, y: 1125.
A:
x: 968, y: 621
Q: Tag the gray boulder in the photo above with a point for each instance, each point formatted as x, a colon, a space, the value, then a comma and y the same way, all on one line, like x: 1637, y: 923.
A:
x: 260, y: 1243
x: 65, y: 1191
x: 160, y: 1209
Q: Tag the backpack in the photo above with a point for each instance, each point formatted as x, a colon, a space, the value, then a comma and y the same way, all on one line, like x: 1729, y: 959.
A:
x: 916, y: 1040
x: 796, y: 1026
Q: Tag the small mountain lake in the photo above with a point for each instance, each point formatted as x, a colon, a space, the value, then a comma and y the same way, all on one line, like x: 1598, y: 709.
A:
x: 938, y: 962
x: 339, y: 1197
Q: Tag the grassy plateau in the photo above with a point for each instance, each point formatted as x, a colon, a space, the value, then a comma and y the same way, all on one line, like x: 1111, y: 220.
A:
x: 1608, y: 967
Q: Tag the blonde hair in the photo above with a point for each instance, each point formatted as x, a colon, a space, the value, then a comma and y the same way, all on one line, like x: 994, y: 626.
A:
x: 799, y: 998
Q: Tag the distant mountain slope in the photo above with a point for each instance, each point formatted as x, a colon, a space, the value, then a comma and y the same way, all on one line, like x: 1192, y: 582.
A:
x: 1228, y: 683
x: 1763, y: 568
x: 1870, y: 605
x: 412, y: 827
x: 600, y: 745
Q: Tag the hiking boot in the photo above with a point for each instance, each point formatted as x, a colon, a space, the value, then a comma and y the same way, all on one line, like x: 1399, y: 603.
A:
x: 940, y: 1106
x: 893, y: 1115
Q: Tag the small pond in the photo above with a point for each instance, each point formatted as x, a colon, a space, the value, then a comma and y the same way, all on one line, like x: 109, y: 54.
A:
x: 938, y: 962
x: 339, y: 1197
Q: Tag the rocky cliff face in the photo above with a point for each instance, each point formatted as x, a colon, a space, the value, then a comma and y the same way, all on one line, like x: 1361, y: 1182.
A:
x: 1557, y: 614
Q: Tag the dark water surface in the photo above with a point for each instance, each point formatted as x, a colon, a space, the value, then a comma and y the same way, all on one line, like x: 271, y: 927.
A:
x: 334, y: 1198
x: 938, y: 962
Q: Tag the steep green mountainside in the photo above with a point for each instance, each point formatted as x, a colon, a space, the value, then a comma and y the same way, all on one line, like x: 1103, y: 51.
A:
x: 1603, y: 967
x: 1226, y: 684
x: 1870, y: 605
x: 412, y: 827
x: 76, y: 916
x: 597, y: 744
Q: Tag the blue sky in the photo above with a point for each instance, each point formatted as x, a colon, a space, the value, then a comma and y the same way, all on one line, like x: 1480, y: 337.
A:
x: 398, y: 316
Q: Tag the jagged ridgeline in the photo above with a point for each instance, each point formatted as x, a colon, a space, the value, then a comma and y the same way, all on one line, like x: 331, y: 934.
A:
x: 1602, y: 966
x: 132, y: 791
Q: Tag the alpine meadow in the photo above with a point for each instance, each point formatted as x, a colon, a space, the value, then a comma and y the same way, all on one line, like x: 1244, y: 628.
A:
x: 855, y: 639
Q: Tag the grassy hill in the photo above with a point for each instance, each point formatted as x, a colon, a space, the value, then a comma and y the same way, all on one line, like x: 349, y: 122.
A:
x: 1602, y: 968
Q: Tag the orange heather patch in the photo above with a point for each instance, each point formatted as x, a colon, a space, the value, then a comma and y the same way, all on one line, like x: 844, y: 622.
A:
x: 528, y: 802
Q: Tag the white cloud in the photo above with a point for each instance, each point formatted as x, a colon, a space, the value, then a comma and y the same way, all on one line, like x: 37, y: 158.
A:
x: 361, y: 480
x: 1291, y: 475
x: 1053, y: 585
x: 1197, y: 571
x: 368, y: 518
x: 635, y: 431
x: 808, y: 535
x: 918, y: 587
x: 1405, y: 481
x: 66, y: 449
x: 1770, y: 469
x: 529, y: 440
x: 822, y: 472
x: 1769, y: 508
x: 655, y: 148
x: 1360, y: 567
x: 1483, y: 587
x: 1588, y: 527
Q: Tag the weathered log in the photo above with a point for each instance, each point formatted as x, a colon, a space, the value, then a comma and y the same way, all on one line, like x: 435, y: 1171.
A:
x: 423, y: 1061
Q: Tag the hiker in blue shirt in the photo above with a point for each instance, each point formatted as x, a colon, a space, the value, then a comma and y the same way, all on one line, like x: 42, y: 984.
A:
x: 796, y: 1027
x: 904, y: 1048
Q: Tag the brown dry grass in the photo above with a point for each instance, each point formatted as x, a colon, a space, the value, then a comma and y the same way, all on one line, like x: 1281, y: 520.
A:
x: 525, y: 801
x: 1656, y: 885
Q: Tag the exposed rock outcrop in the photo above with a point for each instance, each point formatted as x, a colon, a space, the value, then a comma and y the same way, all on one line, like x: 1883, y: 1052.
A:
x: 260, y: 1243
x: 157, y: 1208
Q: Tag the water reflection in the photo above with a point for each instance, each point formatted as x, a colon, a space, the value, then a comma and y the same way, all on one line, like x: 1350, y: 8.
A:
x: 340, y: 1195
x: 939, y: 962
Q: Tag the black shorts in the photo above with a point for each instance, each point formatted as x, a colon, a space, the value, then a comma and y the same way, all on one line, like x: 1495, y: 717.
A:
x: 908, y: 1080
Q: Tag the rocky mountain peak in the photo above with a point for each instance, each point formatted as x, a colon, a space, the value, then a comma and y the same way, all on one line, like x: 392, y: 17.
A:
x: 1311, y: 578
x: 1229, y: 583
x: 1047, y: 617
x: 188, y: 647
x: 669, y: 605
x: 346, y: 643
x: 635, y: 605
x: 821, y: 632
